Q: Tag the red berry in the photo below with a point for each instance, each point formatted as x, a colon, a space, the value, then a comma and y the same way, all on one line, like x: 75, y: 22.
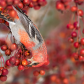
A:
x: 81, y: 58
x: 53, y: 78
x: 4, y: 72
x: 17, y: 62
x: 74, y: 9
x: 13, y: 46
x: 9, y: 7
x: 26, y: 1
x: 65, y: 81
x: 44, y: 3
x: 1, y: 68
x: 4, y: 47
x: 13, y: 13
x: 74, y: 34
x: 20, y: 67
x: 12, y: 60
x: 68, y: 25
x: 42, y: 72
x: 31, y: 4
x: 59, y: 6
x: 82, y: 41
x: 82, y: 51
x: 1, y: 8
x: 27, y: 53
x: 71, y: 26
x: 8, y: 63
x: 18, y: 55
x: 76, y: 44
x: 71, y: 40
x: 9, y: 1
x: 75, y: 55
x: 7, y: 52
x: 35, y: 73
x: 24, y: 62
x: 75, y: 24
x: 80, y: 13
x: 3, y: 3
x: 16, y: 2
x: 20, y: 5
x: 3, y: 78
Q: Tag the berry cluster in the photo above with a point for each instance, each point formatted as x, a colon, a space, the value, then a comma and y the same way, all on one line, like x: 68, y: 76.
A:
x: 17, y: 56
x: 66, y: 4
x: 23, y: 4
x: 41, y: 72
x: 3, y: 73
x: 75, y: 26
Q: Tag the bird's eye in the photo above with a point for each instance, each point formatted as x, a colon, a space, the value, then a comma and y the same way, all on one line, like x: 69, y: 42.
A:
x: 35, y: 63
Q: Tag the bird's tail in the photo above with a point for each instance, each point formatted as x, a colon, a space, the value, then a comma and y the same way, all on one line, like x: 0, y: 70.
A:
x: 5, y: 17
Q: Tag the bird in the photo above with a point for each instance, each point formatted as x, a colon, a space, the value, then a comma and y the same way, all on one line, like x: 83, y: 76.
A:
x: 26, y: 33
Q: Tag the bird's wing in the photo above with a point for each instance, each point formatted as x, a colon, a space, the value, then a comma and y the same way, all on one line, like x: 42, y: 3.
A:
x: 28, y: 25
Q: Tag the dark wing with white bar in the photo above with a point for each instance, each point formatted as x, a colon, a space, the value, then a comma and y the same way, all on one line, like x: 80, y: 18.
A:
x: 28, y: 25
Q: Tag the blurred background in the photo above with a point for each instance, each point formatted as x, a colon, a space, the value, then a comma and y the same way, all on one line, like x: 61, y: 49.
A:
x: 62, y: 68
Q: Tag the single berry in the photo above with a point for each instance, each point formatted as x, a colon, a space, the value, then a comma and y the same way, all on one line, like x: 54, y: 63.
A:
x: 12, y: 60
x: 24, y: 62
x: 59, y: 6
x: 35, y: 73
x: 20, y: 5
x: 80, y: 13
x: 42, y: 72
x: 76, y: 44
x: 26, y: 2
x: 27, y: 53
x: 71, y: 40
x: 17, y: 62
x: 7, y: 52
x: 74, y: 9
x: 18, y: 55
x: 75, y: 55
x: 82, y: 41
x: 4, y: 47
x: 9, y: 2
x: 8, y: 63
x: 13, y: 46
x: 74, y: 34
x: 13, y: 13
x: 4, y: 72
x: 3, y: 78
x: 20, y: 67
x: 81, y: 58
x: 82, y: 51
x: 31, y: 4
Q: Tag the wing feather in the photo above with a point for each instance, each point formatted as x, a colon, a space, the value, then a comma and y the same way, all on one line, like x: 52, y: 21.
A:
x: 28, y: 25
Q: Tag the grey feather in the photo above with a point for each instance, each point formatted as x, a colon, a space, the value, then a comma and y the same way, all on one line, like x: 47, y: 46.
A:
x: 28, y: 25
